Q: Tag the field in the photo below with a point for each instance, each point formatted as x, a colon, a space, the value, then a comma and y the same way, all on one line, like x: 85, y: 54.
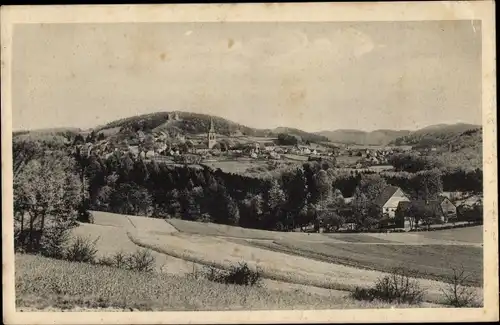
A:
x: 344, y: 160
x: 315, y: 270
x: 239, y: 166
x: 424, y: 261
x: 42, y: 283
x: 250, y: 167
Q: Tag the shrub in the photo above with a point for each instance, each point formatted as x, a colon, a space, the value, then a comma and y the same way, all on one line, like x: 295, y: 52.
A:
x: 397, y: 287
x: 243, y: 275
x: 118, y: 260
x: 239, y: 274
x: 54, y: 241
x: 82, y: 249
x: 457, y: 293
x: 142, y: 260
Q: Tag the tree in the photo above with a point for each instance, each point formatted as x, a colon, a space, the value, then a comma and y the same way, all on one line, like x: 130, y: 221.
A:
x: 275, y: 201
x: 421, y: 211
x: 366, y: 214
x: 287, y: 140
x: 428, y: 185
x: 323, y: 185
x: 470, y: 213
x: 91, y: 137
x: 371, y: 186
x: 48, y: 191
x: 296, y: 194
x: 129, y: 198
x: 233, y: 213
x: 190, y: 210
x: 412, y: 162
x: 331, y: 220
x: 78, y: 140
x: 83, y: 157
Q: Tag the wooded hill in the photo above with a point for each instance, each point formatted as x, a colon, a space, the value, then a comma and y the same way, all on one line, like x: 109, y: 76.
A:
x: 431, y: 135
x: 377, y: 137
x: 194, y: 123
x: 441, y: 134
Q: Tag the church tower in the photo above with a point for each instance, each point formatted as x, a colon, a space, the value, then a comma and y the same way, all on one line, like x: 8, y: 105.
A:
x: 211, y: 135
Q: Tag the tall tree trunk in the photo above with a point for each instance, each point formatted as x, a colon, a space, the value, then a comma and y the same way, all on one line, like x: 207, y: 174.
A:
x: 42, y: 227
x: 31, y: 239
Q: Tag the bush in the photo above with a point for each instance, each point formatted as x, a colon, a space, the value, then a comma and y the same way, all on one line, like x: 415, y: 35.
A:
x: 142, y: 261
x: 397, y: 287
x: 240, y: 274
x: 118, y: 260
x: 82, y: 249
x: 54, y: 241
x: 457, y: 293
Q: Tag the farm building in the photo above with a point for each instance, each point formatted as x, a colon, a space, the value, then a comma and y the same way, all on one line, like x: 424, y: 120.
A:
x: 389, y: 199
x: 442, y: 207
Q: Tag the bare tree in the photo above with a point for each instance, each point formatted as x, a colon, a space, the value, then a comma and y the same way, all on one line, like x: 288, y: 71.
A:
x: 457, y: 293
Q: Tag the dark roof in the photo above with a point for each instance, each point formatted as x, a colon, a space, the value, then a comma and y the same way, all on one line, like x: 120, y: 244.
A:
x: 434, y: 204
x: 386, y: 194
x: 404, y: 204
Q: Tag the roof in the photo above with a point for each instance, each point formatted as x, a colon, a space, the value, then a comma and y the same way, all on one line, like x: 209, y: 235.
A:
x: 386, y: 194
x: 435, y: 204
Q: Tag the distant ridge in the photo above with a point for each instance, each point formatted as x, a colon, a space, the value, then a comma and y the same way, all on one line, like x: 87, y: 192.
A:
x: 385, y: 136
x: 377, y: 137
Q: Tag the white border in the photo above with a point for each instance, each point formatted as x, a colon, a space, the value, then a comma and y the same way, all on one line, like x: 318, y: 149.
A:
x: 403, y: 11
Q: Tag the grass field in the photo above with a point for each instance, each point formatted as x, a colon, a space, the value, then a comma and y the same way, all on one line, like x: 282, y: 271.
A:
x: 212, y: 229
x: 469, y: 234
x: 236, y: 166
x: 43, y: 283
x: 300, y: 264
x: 278, y: 265
x: 425, y: 261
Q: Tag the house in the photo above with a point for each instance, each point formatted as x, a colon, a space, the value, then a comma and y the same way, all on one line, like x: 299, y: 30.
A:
x: 389, y: 200
x: 442, y: 207
x: 446, y: 208
x: 274, y: 155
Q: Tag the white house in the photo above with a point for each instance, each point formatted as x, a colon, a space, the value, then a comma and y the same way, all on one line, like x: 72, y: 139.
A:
x: 389, y: 200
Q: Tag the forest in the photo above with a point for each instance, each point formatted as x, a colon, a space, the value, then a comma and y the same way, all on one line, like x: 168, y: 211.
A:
x: 311, y: 194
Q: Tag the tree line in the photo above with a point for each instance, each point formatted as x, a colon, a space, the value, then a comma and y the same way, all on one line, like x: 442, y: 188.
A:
x: 55, y: 186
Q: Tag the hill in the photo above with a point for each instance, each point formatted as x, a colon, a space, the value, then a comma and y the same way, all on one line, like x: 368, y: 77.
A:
x: 304, y: 136
x: 45, y: 132
x: 187, y: 123
x: 435, y: 135
x: 455, y: 145
x: 377, y: 137
x: 431, y: 135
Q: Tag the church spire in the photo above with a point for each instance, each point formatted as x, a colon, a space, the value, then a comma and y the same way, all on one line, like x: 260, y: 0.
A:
x: 211, y: 125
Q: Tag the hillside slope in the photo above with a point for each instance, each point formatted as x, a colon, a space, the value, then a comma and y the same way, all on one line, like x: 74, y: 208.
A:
x: 436, y: 135
x: 377, y: 137
x: 186, y: 123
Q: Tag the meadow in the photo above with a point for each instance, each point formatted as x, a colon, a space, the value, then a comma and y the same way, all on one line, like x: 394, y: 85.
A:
x: 43, y: 283
x: 424, y: 261
x: 315, y: 270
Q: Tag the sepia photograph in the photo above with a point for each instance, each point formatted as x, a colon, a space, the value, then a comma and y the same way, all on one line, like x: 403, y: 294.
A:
x: 213, y: 164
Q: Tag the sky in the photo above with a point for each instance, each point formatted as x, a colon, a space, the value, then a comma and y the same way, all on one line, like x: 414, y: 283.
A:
x: 312, y: 76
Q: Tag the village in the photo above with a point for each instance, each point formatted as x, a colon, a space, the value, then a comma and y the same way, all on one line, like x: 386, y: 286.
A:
x: 211, y: 147
x: 242, y: 154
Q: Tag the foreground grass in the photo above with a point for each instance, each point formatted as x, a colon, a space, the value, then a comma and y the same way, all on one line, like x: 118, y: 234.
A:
x: 425, y: 261
x: 279, y: 266
x: 467, y: 234
x: 47, y: 284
